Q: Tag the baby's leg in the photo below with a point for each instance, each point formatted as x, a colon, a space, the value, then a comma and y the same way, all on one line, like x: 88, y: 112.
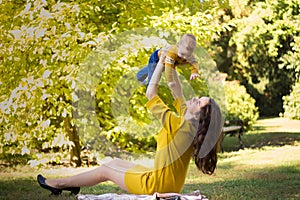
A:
x: 142, y: 74
x: 152, y: 64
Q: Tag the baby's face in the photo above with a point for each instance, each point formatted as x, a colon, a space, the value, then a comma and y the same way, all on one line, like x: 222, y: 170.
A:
x: 185, y: 50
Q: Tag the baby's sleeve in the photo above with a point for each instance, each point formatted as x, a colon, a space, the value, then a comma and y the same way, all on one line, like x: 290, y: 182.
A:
x: 169, y: 74
x: 170, y: 64
x: 194, y: 66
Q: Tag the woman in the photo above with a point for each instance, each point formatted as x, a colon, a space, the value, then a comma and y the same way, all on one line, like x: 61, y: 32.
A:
x: 195, y: 131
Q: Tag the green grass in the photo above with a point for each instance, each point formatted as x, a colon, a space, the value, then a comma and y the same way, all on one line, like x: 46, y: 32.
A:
x: 268, y: 168
x: 268, y: 173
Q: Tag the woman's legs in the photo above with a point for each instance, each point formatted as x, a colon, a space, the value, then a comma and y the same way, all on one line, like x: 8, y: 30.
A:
x: 112, y: 171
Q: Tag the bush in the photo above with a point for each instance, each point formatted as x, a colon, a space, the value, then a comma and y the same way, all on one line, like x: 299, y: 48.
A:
x: 240, y: 105
x: 291, y: 103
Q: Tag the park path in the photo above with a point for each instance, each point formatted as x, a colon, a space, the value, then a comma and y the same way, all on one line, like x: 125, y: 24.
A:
x: 279, y: 125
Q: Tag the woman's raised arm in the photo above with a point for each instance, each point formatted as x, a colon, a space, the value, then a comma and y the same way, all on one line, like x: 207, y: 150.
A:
x: 153, y: 83
x: 176, y: 87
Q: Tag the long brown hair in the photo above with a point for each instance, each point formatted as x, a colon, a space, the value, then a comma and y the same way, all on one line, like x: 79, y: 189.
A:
x: 208, y: 163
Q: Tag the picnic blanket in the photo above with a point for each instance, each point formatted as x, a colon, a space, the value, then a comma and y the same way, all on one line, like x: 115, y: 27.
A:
x: 161, y: 196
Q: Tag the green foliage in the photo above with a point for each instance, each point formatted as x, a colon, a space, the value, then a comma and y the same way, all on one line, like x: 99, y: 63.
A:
x: 240, y: 105
x: 265, y: 43
x: 291, y: 60
x: 25, y: 124
x: 291, y: 103
x: 68, y: 68
x: 267, y: 32
x: 47, y: 48
x: 201, y: 24
x: 262, y: 45
x: 43, y: 46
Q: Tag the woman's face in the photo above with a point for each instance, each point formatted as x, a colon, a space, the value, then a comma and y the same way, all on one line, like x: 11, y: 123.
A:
x: 195, y: 104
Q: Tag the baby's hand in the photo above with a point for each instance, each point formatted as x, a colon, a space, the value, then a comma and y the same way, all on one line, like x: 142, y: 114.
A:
x: 194, y: 76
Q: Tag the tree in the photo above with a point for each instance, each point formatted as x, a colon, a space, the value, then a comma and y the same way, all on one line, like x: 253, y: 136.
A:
x: 261, y: 50
x: 48, y: 45
x: 44, y: 44
x: 291, y: 103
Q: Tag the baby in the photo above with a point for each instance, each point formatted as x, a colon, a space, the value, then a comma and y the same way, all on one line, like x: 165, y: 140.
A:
x: 175, y: 55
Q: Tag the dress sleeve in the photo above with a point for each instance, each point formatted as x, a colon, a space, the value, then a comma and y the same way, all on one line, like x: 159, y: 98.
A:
x: 163, y: 113
x: 180, y: 105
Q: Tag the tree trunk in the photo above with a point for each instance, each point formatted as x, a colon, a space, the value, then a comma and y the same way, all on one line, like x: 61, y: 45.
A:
x: 75, y: 159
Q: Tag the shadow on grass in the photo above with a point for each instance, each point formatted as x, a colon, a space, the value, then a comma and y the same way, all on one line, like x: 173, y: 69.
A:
x: 268, y: 183
x: 260, y: 140
x: 261, y: 128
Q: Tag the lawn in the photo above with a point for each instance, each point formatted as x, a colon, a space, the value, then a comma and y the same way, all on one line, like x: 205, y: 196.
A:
x: 267, y: 168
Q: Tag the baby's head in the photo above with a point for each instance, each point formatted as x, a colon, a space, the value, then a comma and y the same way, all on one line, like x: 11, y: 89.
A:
x: 186, y: 46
